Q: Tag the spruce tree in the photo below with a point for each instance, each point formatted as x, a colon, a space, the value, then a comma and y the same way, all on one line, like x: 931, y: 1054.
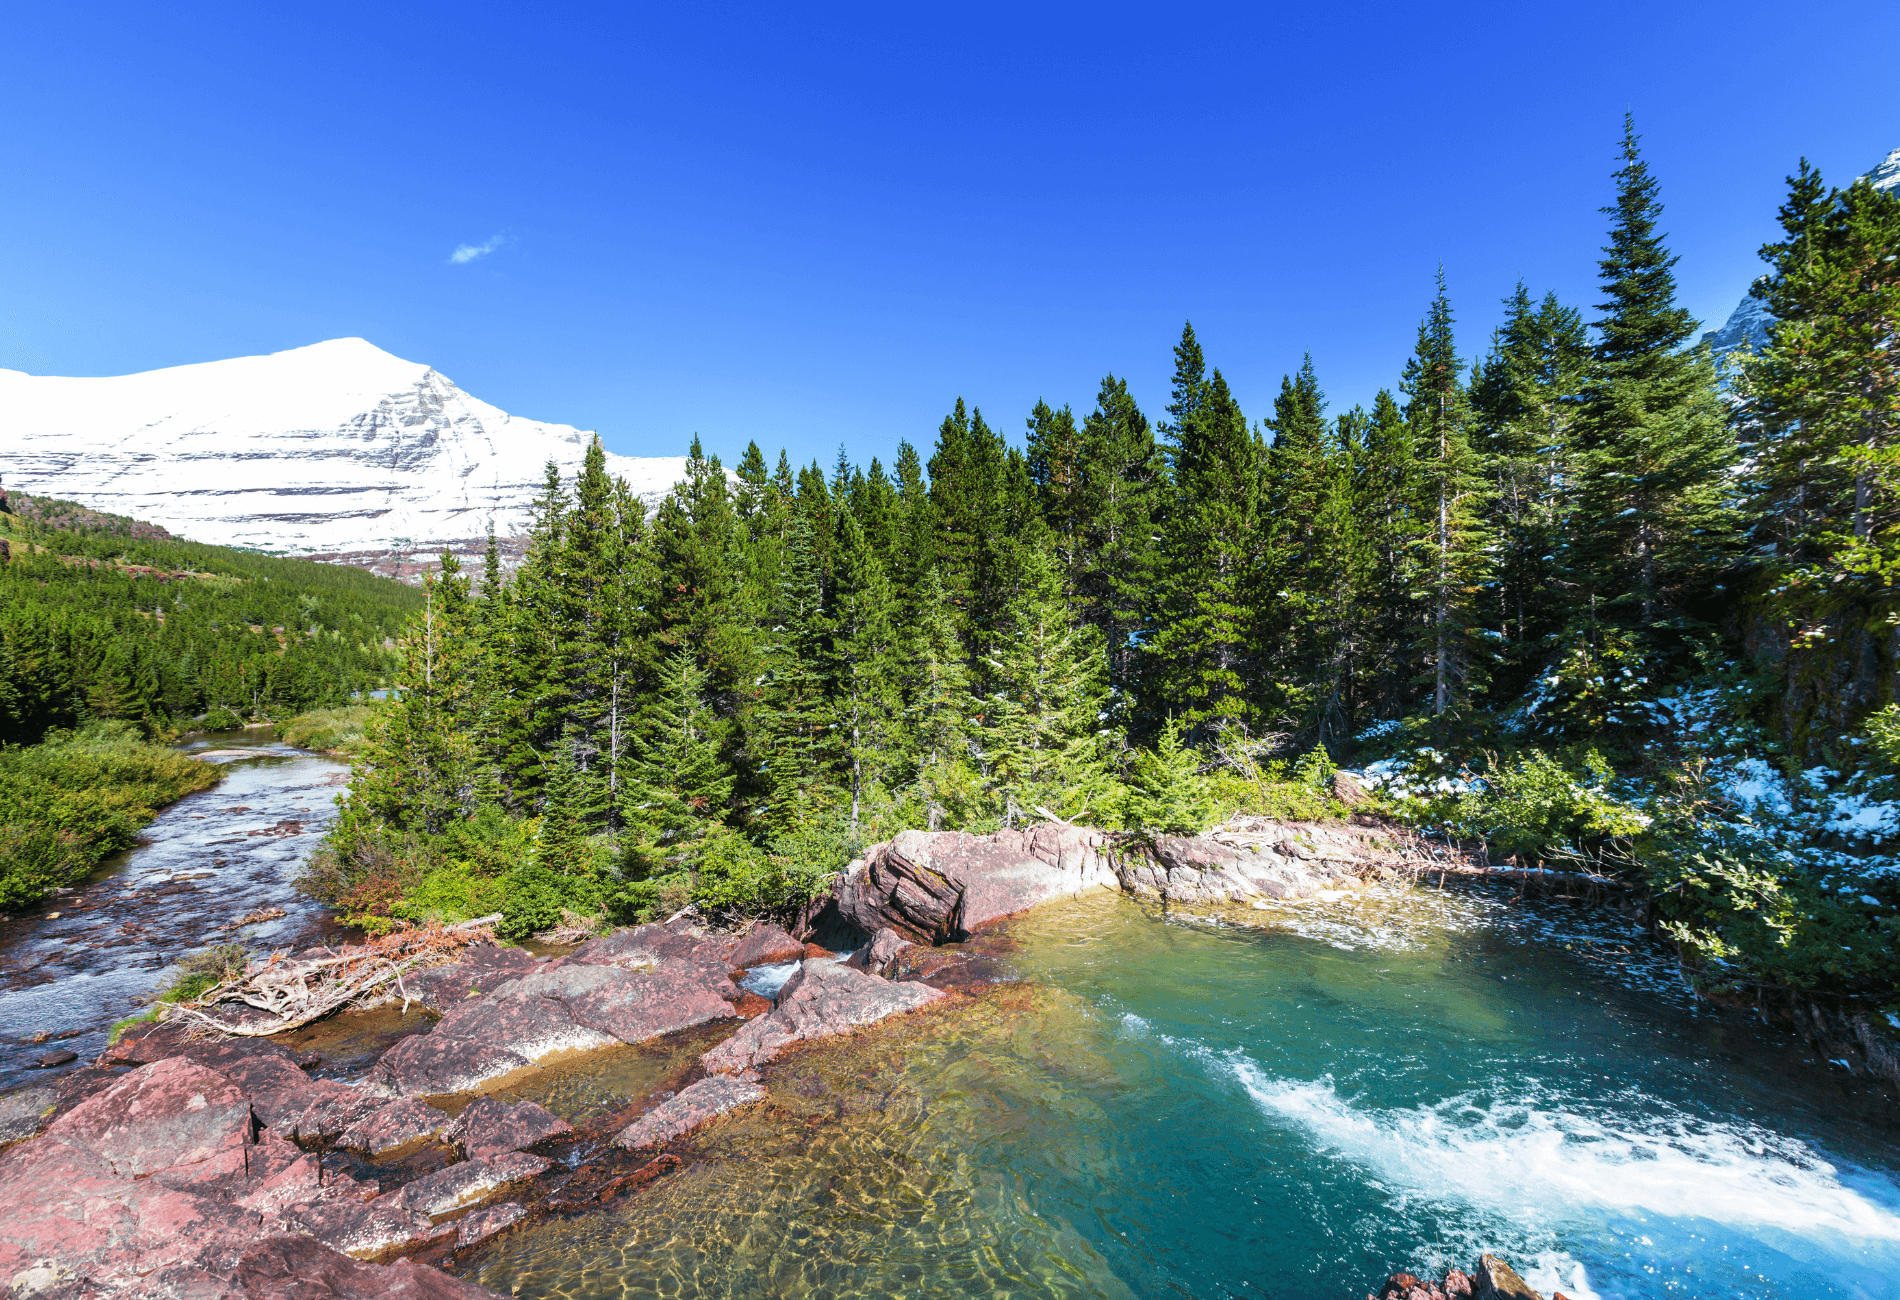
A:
x: 862, y: 670
x: 1828, y: 385
x: 1042, y: 715
x: 1524, y: 403
x: 1211, y: 547
x: 792, y: 741
x: 678, y: 785
x: 1115, y: 569
x: 1387, y: 501
x: 1655, y: 514
x: 1453, y: 557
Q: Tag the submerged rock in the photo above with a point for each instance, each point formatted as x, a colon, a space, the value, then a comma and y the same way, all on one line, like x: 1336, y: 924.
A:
x: 691, y: 1107
x: 447, y: 1190
x: 822, y: 999
x: 1492, y: 1277
x: 480, y: 1225
x: 487, y: 1127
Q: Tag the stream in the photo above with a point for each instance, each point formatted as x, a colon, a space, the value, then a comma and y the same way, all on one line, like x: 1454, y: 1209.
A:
x: 1167, y: 1107
x: 75, y: 964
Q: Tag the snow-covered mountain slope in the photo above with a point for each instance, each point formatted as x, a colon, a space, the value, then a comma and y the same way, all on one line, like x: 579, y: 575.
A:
x: 337, y: 450
x: 1749, y: 322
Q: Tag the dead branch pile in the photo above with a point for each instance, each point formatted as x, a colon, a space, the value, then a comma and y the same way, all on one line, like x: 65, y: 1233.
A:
x: 295, y: 991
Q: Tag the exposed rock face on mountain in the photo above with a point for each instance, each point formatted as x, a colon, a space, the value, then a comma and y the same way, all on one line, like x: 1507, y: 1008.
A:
x: 1748, y: 323
x: 339, y: 451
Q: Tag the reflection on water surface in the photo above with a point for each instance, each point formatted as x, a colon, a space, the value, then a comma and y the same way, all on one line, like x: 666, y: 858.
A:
x: 1171, y: 1107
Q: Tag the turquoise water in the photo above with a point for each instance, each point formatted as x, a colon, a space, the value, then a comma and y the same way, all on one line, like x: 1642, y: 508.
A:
x: 1170, y: 1107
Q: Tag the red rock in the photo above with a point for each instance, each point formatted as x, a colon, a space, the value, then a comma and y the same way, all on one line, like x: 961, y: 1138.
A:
x: 289, y: 1267
x: 751, y: 1004
x: 173, y: 1112
x: 937, y: 886
x: 428, y: 1065
x: 447, y: 1190
x: 695, y: 1105
x: 394, y: 1125
x: 519, y: 1017
x: 53, y: 1059
x: 332, y: 1108
x: 358, y: 1229
x: 487, y: 1128
x: 765, y: 945
x: 822, y: 998
x: 480, y: 1225
x: 876, y: 956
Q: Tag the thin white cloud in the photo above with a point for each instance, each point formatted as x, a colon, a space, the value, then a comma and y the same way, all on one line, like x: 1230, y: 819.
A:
x: 469, y: 252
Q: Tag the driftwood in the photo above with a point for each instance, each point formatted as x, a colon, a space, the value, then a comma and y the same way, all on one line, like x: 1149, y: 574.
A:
x: 295, y: 991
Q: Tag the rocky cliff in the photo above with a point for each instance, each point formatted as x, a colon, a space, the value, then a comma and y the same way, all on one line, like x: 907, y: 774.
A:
x: 338, y: 451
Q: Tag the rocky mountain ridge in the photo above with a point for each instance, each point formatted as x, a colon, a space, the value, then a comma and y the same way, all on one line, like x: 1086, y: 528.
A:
x: 338, y: 451
x: 1748, y: 323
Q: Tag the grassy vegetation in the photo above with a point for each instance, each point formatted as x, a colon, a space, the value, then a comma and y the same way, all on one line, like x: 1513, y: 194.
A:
x: 336, y: 731
x: 71, y: 801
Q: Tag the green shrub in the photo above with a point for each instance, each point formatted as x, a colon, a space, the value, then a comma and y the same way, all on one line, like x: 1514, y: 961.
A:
x: 1743, y: 919
x: 1165, y: 792
x: 337, y: 731
x: 71, y: 801
x: 203, y: 970
x: 222, y: 718
x: 456, y: 892
x: 534, y: 899
x: 1539, y: 811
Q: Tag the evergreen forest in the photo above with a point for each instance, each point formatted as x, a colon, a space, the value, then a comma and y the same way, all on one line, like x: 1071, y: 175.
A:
x: 115, y: 636
x: 1547, y: 595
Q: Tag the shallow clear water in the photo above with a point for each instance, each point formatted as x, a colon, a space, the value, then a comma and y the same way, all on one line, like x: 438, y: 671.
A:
x: 1171, y: 1107
x: 207, y: 861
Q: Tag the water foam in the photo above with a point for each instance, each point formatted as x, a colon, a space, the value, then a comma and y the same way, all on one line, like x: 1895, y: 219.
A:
x: 1539, y: 1157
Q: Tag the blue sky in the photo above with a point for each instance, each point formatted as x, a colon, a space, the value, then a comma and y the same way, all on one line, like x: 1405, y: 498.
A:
x: 814, y: 225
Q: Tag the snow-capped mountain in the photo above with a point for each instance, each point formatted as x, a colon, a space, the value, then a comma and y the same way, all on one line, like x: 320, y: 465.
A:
x: 337, y: 450
x: 1750, y: 320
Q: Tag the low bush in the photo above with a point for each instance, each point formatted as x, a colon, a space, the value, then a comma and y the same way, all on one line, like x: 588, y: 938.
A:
x: 222, y: 718
x: 337, y: 731
x: 78, y: 797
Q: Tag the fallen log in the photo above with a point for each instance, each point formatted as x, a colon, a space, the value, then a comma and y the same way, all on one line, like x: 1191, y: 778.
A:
x: 292, y: 992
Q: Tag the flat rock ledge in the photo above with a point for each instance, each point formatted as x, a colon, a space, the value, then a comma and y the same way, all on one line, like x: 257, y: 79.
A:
x: 691, y: 1107
x: 935, y: 887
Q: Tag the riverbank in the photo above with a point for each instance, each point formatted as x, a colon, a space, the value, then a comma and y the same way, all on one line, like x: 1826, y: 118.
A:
x: 88, y: 957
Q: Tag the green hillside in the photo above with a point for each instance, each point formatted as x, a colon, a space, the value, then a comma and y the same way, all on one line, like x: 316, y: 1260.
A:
x: 103, y: 617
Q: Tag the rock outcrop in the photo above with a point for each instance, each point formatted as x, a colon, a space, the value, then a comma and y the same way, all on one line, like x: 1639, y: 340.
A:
x: 488, y: 1128
x: 693, y: 1106
x: 164, y: 1184
x: 934, y: 887
x: 627, y: 988
x: 822, y: 999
